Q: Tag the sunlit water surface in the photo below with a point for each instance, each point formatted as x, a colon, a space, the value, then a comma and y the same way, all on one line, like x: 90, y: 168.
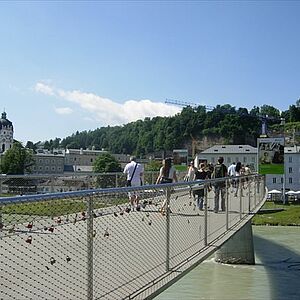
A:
x: 276, y: 274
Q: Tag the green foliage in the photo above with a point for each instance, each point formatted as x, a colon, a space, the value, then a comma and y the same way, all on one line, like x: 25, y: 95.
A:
x: 235, y: 125
x: 17, y: 160
x: 153, y: 165
x: 106, y: 163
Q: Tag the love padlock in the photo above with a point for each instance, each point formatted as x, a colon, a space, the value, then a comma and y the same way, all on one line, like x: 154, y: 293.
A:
x: 58, y: 221
x: 51, y: 229
x: 68, y: 259
x: 52, y: 261
x: 29, y: 239
x: 29, y: 225
x: 106, y: 234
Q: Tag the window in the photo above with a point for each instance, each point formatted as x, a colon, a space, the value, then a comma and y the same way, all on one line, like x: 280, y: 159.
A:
x: 281, y: 181
x: 290, y: 159
x: 228, y: 160
x: 253, y: 159
x: 290, y: 180
x: 245, y: 159
x: 91, y: 160
x: 290, y: 170
x: 274, y: 179
x: 213, y: 160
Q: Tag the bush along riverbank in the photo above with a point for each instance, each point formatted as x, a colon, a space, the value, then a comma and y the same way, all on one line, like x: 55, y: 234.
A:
x: 278, y: 214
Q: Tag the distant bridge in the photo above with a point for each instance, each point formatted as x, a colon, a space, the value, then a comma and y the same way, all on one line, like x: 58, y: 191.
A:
x: 90, y: 245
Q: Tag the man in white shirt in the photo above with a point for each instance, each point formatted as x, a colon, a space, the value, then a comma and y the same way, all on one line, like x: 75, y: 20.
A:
x: 134, y: 173
x: 232, y: 172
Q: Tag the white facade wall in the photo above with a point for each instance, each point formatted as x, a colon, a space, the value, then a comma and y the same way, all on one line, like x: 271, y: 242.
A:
x: 247, y: 155
x: 292, y: 172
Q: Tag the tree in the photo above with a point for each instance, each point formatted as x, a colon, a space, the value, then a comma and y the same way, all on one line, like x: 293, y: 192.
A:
x: 106, y: 163
x: 270, y: 111
x: 17, y: 160
x: 30, y: 145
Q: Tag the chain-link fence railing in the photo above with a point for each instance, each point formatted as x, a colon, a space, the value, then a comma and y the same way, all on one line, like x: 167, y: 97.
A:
x: 94, y: 244
x: 11, y: 185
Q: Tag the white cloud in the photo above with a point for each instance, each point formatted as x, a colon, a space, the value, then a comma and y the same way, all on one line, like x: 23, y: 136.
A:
x: 44, y: 88
x: 63, y: 110
x: 107, y: 112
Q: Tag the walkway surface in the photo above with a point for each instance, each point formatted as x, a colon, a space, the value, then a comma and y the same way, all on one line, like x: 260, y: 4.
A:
x: 130, y: 249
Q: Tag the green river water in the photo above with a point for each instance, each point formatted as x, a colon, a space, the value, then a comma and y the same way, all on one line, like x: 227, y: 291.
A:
x: 276, y: 274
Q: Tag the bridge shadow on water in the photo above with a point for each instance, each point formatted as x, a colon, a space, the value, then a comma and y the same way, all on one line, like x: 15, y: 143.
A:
x: 282, y: 266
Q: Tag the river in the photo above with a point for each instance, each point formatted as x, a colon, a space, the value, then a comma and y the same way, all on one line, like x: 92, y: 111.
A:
x: 276, y: 274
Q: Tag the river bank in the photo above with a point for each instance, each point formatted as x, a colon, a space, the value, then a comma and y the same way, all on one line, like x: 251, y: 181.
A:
x: 287, y: 214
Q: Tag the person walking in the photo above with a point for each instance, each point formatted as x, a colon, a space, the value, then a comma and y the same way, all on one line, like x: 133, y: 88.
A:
x: 167, y: 174
x: 190, y: 176
x: 231, y: 173
x: 134, y: 172
x: 238, y: 173
x: 200, y: 174
x: 220, y: 171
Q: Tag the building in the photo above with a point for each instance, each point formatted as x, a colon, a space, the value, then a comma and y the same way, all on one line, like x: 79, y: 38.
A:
x: 48, y: 163
x: 79, y: 160
x: 6, y: 133
x: 291, y: 169
x: 246, y: 154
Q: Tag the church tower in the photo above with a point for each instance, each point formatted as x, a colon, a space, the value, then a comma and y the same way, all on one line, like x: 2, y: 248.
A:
x: 6, y: 133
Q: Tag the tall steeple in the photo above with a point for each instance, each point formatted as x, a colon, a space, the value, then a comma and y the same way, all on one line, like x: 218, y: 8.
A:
x: 6, y: 133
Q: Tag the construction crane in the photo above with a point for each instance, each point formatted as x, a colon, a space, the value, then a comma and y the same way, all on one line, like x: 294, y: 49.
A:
x: 186, y: 103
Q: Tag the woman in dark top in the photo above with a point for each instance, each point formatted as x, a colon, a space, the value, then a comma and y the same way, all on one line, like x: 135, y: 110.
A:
x: 200, y: 174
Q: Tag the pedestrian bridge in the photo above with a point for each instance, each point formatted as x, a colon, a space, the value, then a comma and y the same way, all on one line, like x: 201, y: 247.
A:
x: 91, y: 245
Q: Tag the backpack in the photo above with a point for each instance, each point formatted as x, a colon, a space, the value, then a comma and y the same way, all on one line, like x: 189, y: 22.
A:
x: 219, y: 171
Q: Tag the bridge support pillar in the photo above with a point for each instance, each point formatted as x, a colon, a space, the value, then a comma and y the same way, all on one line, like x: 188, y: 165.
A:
x: 238, y: 249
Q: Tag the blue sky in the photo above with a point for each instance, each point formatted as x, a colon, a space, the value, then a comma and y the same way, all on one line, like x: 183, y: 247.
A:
x: 79, y: 65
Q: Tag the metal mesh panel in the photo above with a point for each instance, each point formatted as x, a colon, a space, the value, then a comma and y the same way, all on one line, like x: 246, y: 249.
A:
x: 94, y: 244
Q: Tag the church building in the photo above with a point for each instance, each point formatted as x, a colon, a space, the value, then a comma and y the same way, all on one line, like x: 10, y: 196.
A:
x: 6, y: 133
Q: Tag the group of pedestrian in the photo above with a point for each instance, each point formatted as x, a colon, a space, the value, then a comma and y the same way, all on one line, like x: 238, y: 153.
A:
x: 167, y: 174
x: 135, y: 171
x: 238, y: 170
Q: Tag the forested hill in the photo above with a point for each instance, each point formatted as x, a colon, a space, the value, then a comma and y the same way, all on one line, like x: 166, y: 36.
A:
x: 236, y: 126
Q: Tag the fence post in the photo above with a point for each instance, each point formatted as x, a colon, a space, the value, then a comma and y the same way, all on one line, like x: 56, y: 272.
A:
x: 116, y: 179
x: 227, y: 182
x: 249, y: 195
x: 168, y: 195
x: 255, y: 190
x: 52, y: 184
x: 241, y: 191
x: 205, y: 214
x: 90, y: 248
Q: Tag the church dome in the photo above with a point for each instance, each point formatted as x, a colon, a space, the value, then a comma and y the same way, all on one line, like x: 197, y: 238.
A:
x: 5, y: 122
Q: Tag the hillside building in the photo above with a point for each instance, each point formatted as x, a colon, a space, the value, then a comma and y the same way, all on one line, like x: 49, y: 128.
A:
x: 246, y: 154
